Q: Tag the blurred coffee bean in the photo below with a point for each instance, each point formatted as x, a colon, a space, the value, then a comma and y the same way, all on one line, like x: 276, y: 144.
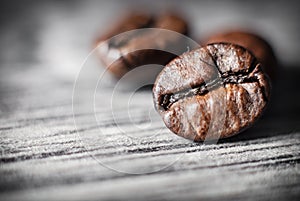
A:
x: 124, y: 52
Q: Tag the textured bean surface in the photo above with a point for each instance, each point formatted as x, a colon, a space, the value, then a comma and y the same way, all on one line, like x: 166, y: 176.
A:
x: 215, y: 91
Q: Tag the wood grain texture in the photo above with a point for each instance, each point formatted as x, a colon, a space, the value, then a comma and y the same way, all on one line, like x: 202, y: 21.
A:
x: 45, y: 155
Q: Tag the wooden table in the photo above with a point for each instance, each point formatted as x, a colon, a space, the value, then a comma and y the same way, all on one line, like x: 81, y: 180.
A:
x: 54, y: 147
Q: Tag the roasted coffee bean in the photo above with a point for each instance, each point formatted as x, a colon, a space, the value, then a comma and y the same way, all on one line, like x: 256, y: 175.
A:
x: 212, y: 92
x: 254, y: 43
x: 122, y: 53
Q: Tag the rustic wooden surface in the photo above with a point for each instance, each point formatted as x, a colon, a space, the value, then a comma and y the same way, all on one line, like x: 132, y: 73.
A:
x: 128, y: 154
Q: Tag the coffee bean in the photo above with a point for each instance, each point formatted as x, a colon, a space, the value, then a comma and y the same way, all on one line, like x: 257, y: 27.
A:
x: 215, y: 91
x: 124, y: 52
x: 252, y: 42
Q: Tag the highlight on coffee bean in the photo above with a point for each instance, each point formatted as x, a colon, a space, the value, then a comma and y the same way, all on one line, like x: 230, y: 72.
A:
x: 253, y: 42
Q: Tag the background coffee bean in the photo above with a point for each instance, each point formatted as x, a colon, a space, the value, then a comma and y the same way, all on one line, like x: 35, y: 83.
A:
x: 132, y: 49
x: 214, y: 91
x: 254, y: 43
